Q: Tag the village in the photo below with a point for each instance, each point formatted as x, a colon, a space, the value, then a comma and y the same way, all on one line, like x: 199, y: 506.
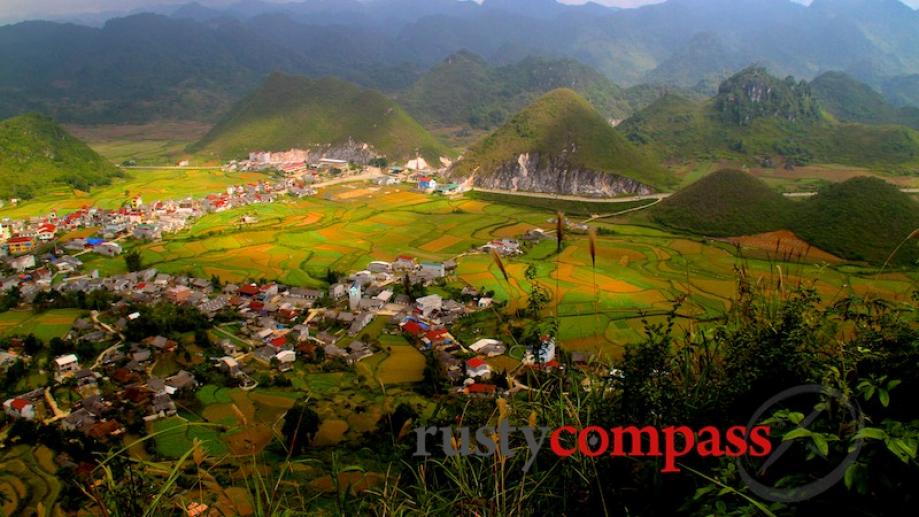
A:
x: 295, y: 178
x: 257, y: 332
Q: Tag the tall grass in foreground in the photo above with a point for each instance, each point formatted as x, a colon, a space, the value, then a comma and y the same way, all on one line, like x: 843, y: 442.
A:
x: 776, y: 335
x: 592, y: 248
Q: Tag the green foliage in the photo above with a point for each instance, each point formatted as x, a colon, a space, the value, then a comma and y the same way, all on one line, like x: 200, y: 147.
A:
x: 563, y: 125
x: 861, y: 219
x: 133, y: 261
x: 725, y: 203
x: 38, y: 156
x: 852, y: 101
x: 295, y: 112
x: 300, y: 426
x: 754, y: 117
x: 465, y: 90
x: 165, y: 319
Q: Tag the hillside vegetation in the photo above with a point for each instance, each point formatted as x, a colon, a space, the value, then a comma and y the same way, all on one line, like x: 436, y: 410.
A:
x: 563, y: 126
x: 862, y: 219
x: 465, y: 90
x: 725, y: 203
x: 296, y: 112
x: 852, y: 101
x: 757, y: 117
x: 38, y: 156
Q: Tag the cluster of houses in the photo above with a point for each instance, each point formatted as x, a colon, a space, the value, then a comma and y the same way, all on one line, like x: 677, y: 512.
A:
x: 136, y: 219
x: 274, y: 325
x: 137, y: 394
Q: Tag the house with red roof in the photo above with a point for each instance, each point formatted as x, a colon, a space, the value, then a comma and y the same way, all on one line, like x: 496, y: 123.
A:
x: 46, y: 232
x: 413, y: 328
x: 404, y: 263
x: 477, y: 367
x: 20, y: 408
x: 249, y: 290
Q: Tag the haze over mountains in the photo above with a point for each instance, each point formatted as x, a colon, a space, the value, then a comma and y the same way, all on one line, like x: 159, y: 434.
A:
x: 194, y: 61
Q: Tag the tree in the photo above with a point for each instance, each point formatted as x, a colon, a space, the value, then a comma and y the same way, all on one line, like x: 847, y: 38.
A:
x: 31, y: 344
x: 133, y: 261
x: 202, y: 339
x: 539, y: 295
x: 300, y: 426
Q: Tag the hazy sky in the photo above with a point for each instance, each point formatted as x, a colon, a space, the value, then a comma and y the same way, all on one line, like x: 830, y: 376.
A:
x: 19, y: 9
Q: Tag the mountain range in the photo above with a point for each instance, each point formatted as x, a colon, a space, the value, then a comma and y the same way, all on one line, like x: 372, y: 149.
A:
x: 756, y: 116
x: 195, y: 61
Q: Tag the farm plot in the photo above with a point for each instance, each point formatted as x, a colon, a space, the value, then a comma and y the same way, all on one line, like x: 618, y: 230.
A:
x: 27, y: 480
x: 231, y: 421
x: 640, y: 269
x: 46, y: 325
x: 152, y: 184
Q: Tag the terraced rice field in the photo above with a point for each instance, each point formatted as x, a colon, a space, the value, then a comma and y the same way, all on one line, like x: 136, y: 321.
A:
x: 640, y: 269
x: 27, y: 479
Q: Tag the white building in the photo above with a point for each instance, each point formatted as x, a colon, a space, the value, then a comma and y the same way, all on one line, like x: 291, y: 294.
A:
x: 488, y: 347
x: 435, y: 269
x: 66, y: 363
x: 109, y: 249
x: 428, y: 304
x: 354, y: 296
x: 23, y: 262
x: 545, y: 353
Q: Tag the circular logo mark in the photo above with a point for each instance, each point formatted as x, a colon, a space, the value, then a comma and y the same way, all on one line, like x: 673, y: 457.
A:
x: 824, y: 483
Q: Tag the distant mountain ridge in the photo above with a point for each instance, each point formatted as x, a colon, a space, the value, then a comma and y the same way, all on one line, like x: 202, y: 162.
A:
x: 467, y: 90
x: 852, y: 101
x: 756, y: 117
x: 198, y: 61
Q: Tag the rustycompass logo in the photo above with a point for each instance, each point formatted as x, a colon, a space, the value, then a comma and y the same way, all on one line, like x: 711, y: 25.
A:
x: 670, y: 443
x: 758, y: 448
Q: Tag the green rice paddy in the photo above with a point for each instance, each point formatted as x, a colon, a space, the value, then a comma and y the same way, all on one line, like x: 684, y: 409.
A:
x: 640, y: 269
x: 151, y: 184
x: 45, y: 325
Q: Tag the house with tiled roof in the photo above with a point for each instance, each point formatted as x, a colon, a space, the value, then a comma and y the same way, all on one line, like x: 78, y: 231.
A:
x: 477, y: 367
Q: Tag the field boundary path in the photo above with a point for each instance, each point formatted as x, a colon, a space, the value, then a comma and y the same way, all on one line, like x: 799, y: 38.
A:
x: 565, y: 197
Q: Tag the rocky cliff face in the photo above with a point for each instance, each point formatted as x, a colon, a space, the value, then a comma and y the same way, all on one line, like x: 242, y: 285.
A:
x: 753, y: 93
x: 350, y: 151
x: 557, y: 176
